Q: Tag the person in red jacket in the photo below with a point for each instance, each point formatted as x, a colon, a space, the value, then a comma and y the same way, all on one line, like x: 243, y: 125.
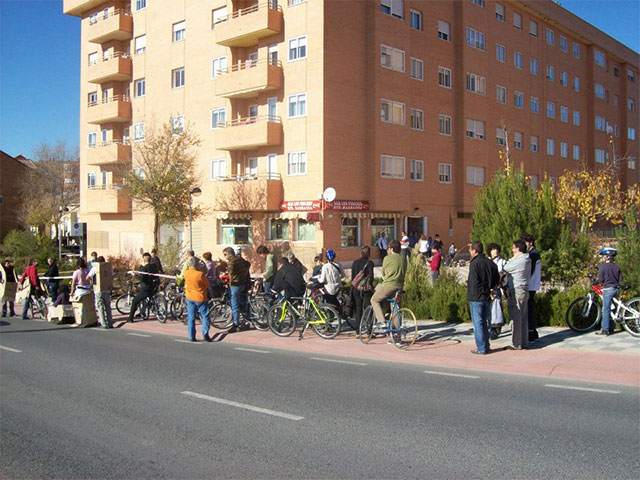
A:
x: 436, y: 260
x: 31, y: 272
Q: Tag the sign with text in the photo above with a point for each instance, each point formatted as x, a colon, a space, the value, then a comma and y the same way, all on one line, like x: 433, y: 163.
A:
x: 301, y: 206
x: 348, y: 205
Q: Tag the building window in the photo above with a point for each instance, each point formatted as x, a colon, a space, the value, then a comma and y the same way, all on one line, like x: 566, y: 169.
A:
x: 476, y: 84
x: 417, y: 170
x: 551, y: 73
x: 518, y: 100
x: 501, y: 94
x: 138, y: 88
x: 533, y: 182
x: 475, y: 39
x: 417, y: 67
x: 392, y: 7
x: 500, y: 12
x: 616, y: 99
x: 91, y: 180
x: 140, y: 4
x: 550, y: 36
x: 278, y: 229
x: 177, y: 78
x: 392, y: 112
x: 576, y: 84
x: 475, y: 175
x: 178, y: 31
x: 576, y: 118
x: 444, y: 77
x: 599, y: 91
x: 517, y: 60
x: 533, y: 66
x: 480, y: 3
x: 631, y: 163
x: 564, y: 79
x: 616, y: 131
x: 177, y: 124
x: 534, y: 105
x: 235, y: 232
x: 564, y: 149
x: 138, y: 132
x: 350, y: 232
x: 140, y: 44
x: 631, y: 133
x: 444, y: 173
x: 218, y: 118
x: 416, y: 20
x: 417, y: 119
x: 93, y: 58
x: 576, y: 50
x: 475, y: 129
x: 551, y: 146
x: 305, y: 231
x: 517, y: 140
x: 92, y: 99
x: 391, y: 166
x: 444, y: 124
x: 576, y: 152
x: 443, y: 30
x: 91, y: 139
x: 501, y: 136
x: 298, y: 48
x: 218, y: 168
x: 600, y: 156
x: 297, y: 163
x: 382, y: 225
x: 564, y: 114
x: 293, y: 3
x: 298, y: 105
x: 501, y: 53
x: 105, y: 135
x: 631, y: 105
x: 631, y: 75
x: 599, y: 58
x: 601, y: 123
x: 533, y: 28
x: 517, y: 20
x: 392, y: 58
x: 218, y: 15
x: 533, y: 142
x: 563, y: 43
x: 551, y: 110
x: 218, y: 66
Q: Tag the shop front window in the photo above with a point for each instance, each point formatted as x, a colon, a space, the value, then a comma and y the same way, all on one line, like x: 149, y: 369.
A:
x: 350, y: 232
x: 278, y: 229
x: 235, y: 232
x: 379, y: 225
x: 306, y: 231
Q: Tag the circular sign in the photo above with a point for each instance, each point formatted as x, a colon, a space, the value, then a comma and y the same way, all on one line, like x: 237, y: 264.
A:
x: 329, y: 195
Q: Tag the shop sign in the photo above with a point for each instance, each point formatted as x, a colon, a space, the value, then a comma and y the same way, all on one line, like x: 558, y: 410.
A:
x: 348, y: 205
x: 301, y: 206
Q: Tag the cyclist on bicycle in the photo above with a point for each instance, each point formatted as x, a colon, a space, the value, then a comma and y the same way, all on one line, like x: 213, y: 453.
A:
x: 148, y: 284
x: 331, y: 276
x: 289, y: 279
x: 393, y: 270
x: 609, y: 276
x: 239, y: 282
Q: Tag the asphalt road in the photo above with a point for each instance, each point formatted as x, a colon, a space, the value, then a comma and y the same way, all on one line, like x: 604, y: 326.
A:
x: 87, y: 403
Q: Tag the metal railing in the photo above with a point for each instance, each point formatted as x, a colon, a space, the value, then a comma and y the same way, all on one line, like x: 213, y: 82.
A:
x: 247, y: 64
x: 271, y: 4
x: 111, y: 56
x: 249, y: 120
x: 105, y: 14
x: 249, y: 176
x: 108, y: 186
x: 113, y: 98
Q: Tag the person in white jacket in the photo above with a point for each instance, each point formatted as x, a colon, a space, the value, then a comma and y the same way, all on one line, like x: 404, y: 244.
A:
x: 331, y: 277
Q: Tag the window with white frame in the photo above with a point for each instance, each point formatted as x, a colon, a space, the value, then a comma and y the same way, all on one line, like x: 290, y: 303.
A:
x: 392, y: 112
x: 93, y: 18
x: 444, y: 173
x: 599, y: 91
x: 475, y: 175
x: 600, y: 156
x: 417, y: 170
x: 93, y: 58
x: 601, y: 123
x: 533, y: 66
x: 392, y: 58
x: 298, y: 105
x: 91, y: 139
x: 444, y: 30
x: 576, y: 152
x: 298, y: 48
x: 382, y: 225
x: 480, y: 3
x: 550, y: 36
x: 251, y: 167
x: 501, y: 53
x: 551, y: 73
x: 218, y: 168
x: 391, y: 166
x: 501, y: 94
x: 138, y: 132
x: 138, y: 88
x: 218, y: 118
x: 575, y: 48
x: 631, y: 163
x: 178, y: 31
x: 631, y: 133
x: 293, y: 3
x: 599, y: 58
x: 395, y: 8
x: 518, y: 100
x: 416, y: 19
x: 631, y: 105
x: 278, y: 229
x: 305, y: 231
x: 476, y: 84
x: 218, y: 15
x: 475, y: 129
x: 517, y: 140
x: 297, y: 163
x: 475, y: 39
x: 551, y: 146
x: 563, y: 43
x: 564, y: 149
x: 501, y: 136
x: 533, y: 143
x: 177, y: 124
x: 576, y: 84
x: 350, y: 232
x: 140, y: 4
x: 91, y: 179
x: 551, y: 110
x: 564, y: 114
x: 534, y: 105
x: 444, y: 124
x: 576, y: 118
x: 564, y: 79
x: 177, y: 78
x: 235, y: 231
x: 517, y: 20
x: 500, y: 12
x: 517, y: 60
x: 140, y: 44
x: 417, y: 119
x: 533, y: 28
x: 417, y: 68
x: 92, y: 98
x: 631, y: 75
x: 105, y: 135
x: 218, y: 66
x: 444, y: 77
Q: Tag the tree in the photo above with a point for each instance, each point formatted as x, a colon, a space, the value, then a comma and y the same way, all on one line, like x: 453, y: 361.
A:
x: 628, y: 248
x: 163, y: 176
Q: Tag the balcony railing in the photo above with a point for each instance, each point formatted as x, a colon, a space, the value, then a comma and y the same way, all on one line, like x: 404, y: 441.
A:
x: 113, y: 109
x: 247, y: 79
x: 249, y: 132
x: 107, y: 198
x: 112, y: 24
x: 117, y: 67
x: 250, y: 192
x: 243, y: 28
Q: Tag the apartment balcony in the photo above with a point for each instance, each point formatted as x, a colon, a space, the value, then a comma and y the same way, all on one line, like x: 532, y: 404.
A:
x: 248, y: 79
x: 114, y: 25
x: 107, y: 199
x: 249, y: 133
x: 243, y: 28
x: 78, y: 7
x: 249, y: 193
x: 109, y: 153
x: 116, y: 109
x: 118, y: 68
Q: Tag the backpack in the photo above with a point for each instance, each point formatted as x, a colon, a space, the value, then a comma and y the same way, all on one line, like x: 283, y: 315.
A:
x: 362, y: 281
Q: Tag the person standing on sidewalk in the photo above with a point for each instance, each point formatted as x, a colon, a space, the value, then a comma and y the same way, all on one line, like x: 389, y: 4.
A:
x: 8, y: 277
x: 382, y: 245
x: 434, y: 264
x: 483, y: 277
x: 239, y: 280
x: 102, y: 297
x: 31, y: 273
x: 195, y: 287
x: 394, y: 268
x: 51, y: 273
x: 404, y: 244
x: 270, y: 267
x: 148, y: 283
x: 534, y: 284
x: 609, y: 276
x: 519, y: 270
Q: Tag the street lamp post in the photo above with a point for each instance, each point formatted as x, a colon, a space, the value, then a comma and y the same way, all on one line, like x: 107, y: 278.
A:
x: 193, y: 193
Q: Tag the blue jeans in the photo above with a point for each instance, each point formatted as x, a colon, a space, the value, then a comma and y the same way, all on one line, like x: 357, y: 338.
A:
x: 238, y: 302
x: 607, y: 296
x: 203, y: 309
x: 480, y: 316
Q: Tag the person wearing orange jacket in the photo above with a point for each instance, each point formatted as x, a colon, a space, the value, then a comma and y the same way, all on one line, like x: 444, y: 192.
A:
x: 196, y: 284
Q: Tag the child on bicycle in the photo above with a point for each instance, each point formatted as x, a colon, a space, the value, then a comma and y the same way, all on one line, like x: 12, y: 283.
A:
x: 610, y: 276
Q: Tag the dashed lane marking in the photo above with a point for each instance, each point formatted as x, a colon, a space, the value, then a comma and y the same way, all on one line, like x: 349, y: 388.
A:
x: 244, y: 406
x: 338, y: 361
x: 138, y: 335
x: 446, y: 374
x: 582, y: 389
x: 251, y: 350
x: 8, y: 349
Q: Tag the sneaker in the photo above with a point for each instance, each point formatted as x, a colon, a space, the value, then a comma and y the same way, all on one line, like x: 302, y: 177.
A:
x: 478, y: 352
x: 244, y: 327
x: 603, y: 332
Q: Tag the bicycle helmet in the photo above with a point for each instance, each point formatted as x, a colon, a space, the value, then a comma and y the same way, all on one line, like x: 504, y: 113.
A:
x: 609, y: 252
x: 331, y: 254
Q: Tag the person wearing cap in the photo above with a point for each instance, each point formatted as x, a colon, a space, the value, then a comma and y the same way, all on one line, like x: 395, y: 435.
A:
x: 609, y: 276
x: 331, y: 277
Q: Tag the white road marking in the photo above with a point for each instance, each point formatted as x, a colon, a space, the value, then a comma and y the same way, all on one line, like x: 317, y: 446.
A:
x: 185, y: 341
x: 431, y: 372
x: 10, y: 349
x: 251, y: 350
x: 582, y: 389
x: 252, y: 408
x: 138, y: 335
x: 337, y: 361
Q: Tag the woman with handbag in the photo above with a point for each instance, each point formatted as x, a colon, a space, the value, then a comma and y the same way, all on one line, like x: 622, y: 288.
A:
x: 361, y: 284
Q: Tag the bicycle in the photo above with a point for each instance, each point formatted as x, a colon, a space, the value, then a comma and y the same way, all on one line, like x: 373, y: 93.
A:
x: 401, y: 324
x: 124, y: 301
x: 585, y: 313
x: 323, y: 318
x: 221, y: 314
x: 157, y: 305
x: 346, y: 312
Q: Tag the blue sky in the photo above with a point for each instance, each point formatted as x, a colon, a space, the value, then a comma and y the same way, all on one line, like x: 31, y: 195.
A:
x: 40, y: 65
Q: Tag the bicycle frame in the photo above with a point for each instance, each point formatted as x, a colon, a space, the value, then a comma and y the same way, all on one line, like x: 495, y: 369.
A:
x: 617, y: 305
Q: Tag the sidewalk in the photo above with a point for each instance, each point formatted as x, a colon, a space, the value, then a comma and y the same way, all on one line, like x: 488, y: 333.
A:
x: 558, y: 354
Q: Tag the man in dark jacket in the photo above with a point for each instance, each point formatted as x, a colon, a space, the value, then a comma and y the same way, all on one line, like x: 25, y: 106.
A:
x: 51, y: 273
x: 239, y: 281
x: 289, y: 279
x: 156, y: 260
x: 148, y: 283
x: 483, y: 277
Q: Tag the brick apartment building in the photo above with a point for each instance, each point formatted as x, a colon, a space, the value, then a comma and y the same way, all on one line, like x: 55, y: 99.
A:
x: 13, y: 171
x: 400, y: 106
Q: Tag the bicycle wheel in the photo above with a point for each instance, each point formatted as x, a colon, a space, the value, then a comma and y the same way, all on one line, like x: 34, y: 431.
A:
x: 404, y: 328
x: 330, y: 327
x: 583, y: 314
x: 176, y: 308
x: 282, y: 323
x: 123, y: 303
x: 631, y: 320
x: 171, y: 291
x: 38, y: 307
x: 366, y: 325
x: 220, y: 316
x: 258, y: 310
x: 350, y: 319
x: 160, y: 307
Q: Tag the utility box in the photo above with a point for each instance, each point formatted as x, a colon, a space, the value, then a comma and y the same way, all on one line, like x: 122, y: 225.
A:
x: 104, y: 277
x: 84, y: 310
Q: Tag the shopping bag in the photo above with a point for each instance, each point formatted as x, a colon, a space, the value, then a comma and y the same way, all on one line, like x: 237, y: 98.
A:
x: 497, y: 318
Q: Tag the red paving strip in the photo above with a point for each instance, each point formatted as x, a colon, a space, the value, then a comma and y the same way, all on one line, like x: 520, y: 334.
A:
x: 449, y: 352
